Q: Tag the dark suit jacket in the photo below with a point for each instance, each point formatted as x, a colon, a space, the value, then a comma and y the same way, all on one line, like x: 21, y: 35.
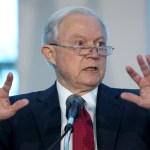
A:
x: 121, y: 125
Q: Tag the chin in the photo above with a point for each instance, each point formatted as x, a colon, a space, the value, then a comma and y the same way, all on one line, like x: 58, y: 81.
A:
x: 93, y: 83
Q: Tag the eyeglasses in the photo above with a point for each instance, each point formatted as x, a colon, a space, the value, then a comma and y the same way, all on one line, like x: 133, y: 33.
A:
x: 86, y: 50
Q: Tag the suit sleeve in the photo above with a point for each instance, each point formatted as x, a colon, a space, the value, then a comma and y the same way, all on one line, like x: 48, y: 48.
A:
x: 5, y: 135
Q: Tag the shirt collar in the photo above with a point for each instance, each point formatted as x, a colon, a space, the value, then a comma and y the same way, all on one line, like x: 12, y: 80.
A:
x: 64, y: 93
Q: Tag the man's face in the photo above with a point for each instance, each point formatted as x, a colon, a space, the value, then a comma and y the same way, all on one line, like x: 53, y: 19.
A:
x: 79, y: 74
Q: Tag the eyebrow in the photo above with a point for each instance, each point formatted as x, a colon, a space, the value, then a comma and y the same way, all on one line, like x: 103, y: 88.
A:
x: 83, y: 37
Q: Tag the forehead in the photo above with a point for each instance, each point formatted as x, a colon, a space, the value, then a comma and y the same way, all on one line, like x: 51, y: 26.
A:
x: 80, y: 24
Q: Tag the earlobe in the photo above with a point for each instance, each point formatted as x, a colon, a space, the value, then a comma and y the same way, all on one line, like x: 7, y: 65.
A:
x: 48, y: 52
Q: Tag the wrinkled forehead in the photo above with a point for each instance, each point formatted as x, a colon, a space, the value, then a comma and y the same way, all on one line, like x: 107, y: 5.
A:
x: 83, y: 24
x: 78, y: 17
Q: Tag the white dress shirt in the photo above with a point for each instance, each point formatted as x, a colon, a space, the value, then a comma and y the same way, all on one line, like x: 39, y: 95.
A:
x: 90, y: 99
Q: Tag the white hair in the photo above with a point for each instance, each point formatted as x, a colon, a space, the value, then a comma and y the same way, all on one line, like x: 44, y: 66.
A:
x: 51, y: 29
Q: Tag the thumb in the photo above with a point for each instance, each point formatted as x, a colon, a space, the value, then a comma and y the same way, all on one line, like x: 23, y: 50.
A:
x: 19, y: 104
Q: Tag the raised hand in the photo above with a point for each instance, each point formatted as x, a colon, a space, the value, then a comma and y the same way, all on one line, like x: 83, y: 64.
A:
x: 143, y: 99
x: 6, y: 109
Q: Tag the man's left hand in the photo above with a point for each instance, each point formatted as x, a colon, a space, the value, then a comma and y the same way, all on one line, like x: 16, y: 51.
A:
x: 143, y: 99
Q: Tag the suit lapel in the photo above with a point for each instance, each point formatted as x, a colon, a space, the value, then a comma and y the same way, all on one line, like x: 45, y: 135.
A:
x: 48, y: 116
x: 108, y: 114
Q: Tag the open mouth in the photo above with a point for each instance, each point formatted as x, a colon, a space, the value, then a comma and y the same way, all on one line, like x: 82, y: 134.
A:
x: 91, y: 69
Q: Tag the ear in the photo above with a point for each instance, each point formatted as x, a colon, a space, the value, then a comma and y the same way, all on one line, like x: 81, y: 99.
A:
x: 48, y: 52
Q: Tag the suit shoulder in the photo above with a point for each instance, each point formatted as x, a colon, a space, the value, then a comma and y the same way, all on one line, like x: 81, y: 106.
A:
x: 32, y: 95
x: 114, y: 90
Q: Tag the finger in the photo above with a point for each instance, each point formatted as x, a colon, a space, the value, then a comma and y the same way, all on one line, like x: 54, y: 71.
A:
x: 133, y: 74
x: 131, y: 97
x: 8, y: 83
x: 143, y: 66
x: 148, y: 59
x: 18, y: 105
x: 6, y: 113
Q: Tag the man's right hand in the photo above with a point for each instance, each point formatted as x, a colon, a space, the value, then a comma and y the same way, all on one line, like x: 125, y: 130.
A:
x: 7, y: 109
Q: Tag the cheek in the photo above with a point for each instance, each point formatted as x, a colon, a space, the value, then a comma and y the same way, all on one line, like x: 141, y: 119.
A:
x: 103, y: 64
x: 65, y: 63
x: 102, y: 67
x: 61, y: 58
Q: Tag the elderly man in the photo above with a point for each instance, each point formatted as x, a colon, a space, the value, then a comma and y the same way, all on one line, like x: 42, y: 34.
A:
x: 75, y: 45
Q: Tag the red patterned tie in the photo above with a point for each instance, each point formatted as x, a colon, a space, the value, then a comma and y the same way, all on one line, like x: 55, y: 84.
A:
x: 83, y: 137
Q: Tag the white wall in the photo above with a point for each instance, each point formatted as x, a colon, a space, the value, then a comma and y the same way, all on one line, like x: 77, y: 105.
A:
x: 148, y: 24
x: 127, y: 24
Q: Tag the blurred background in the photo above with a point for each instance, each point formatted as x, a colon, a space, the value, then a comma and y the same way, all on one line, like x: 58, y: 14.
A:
x: 21, y: 26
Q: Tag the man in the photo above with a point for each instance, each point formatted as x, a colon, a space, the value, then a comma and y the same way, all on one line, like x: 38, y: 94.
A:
x: 75, y: 45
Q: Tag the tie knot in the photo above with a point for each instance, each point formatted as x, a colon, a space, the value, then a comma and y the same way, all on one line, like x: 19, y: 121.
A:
x: 85, y: 117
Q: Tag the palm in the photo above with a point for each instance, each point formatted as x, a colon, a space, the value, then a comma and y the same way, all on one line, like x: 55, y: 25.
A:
x: 6, y: 109
x: 143, y: 99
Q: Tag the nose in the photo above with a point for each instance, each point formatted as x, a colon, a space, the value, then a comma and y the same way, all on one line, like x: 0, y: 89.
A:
x: 94, y: 53
x: 94, y: 49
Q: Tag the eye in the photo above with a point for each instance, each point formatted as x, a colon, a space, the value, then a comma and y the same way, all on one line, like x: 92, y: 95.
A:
x: 79, y: 43
x: 98, y: 43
